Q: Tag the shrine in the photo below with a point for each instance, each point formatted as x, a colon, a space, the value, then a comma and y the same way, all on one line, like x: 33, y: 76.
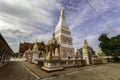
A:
x: 52, y: 61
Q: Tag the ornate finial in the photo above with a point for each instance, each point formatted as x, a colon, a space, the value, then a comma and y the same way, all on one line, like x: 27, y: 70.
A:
x: 85, y: 44
x: 62, y: 12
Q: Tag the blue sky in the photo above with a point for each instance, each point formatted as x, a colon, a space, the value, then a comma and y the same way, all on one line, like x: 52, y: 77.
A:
x: 28, y: 20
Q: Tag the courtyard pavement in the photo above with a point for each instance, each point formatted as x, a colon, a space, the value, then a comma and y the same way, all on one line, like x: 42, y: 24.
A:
x: 104, y: 72
x: 95, y: 72
x: 43, y: 74
x: 16, y: 71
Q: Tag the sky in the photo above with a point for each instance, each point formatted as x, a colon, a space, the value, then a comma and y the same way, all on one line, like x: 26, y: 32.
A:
x: 28, y: 20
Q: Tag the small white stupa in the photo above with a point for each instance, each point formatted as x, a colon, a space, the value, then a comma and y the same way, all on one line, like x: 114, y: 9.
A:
x: 87, y: 56
x: 35, y: 53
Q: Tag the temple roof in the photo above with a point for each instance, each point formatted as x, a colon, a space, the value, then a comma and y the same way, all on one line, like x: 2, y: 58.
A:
x: 25, y: 46
x: 4, y: 43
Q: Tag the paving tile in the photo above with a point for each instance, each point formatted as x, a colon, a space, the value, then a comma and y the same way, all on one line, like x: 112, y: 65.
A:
x: 104, y: 72
x: 15, y: 71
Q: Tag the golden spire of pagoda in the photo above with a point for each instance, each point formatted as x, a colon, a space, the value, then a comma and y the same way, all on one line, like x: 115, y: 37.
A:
x: 62, y: 13
x: 85, y: 44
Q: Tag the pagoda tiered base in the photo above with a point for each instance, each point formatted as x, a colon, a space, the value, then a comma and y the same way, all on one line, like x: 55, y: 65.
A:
x: 52, y: 65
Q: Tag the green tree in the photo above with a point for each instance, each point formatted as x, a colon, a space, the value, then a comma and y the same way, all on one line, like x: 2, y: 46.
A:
x: 110, y: 46
x: 92, y: 51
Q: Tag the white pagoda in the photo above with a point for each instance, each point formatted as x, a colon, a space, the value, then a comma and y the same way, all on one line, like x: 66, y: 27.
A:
x: 64, y: 38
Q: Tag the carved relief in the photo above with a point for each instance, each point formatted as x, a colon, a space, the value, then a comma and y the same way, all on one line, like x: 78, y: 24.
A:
x: 65, y: 52
x: 66, y: 40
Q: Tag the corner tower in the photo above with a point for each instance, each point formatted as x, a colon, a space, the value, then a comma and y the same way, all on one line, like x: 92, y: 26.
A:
x: 63, y: 36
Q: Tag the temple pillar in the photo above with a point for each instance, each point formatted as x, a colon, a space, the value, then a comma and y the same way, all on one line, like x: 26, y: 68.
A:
x: 6, y: 57
x: 1, y: 52
x: 3, y: 56
x: 0, y: 55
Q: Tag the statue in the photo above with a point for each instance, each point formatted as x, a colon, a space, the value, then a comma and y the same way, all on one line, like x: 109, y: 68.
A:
x: 53, y: 49
x: 52, y: 59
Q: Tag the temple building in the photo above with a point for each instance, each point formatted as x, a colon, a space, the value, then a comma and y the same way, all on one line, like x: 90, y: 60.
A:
x: 5, y: 51
x: 35, y: 52
x: 87, y: 55
x: 64, y: 38
x: 24, y: 47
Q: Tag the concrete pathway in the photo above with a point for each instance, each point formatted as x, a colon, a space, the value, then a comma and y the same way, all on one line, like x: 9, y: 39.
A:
x: 16, y: 71
x: 104, y: 72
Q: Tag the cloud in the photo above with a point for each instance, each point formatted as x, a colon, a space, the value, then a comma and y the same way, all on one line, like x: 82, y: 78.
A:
x: 28, y: 20
x: 24, y: 20
x: 28, y: 12
x: 86, y: 24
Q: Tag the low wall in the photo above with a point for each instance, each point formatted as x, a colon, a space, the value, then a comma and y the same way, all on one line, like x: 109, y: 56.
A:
x: 71, y: 63
x: 66, y: 63
x: 94, y: 62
